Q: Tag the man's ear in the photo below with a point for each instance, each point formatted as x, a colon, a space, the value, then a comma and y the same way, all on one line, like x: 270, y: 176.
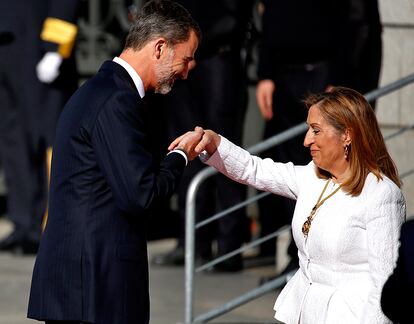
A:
x: 160, y: 46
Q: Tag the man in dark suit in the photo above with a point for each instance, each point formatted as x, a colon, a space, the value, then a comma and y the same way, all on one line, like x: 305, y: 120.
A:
x: 38, y: 75
x: 397, y: 297
x: 92, y: 261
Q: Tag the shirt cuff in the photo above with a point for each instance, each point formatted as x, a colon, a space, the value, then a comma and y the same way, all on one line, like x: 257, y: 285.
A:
x: 182, y: 153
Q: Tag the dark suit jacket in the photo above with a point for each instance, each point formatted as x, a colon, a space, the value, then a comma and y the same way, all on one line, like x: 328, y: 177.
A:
x: 397, y: 298
x: 92, y: 263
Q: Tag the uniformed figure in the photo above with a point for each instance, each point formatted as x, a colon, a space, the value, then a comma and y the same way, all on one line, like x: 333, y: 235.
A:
x: 38, y: 74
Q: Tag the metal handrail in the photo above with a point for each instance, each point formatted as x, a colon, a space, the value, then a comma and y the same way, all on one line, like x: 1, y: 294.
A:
x: 209, y: 171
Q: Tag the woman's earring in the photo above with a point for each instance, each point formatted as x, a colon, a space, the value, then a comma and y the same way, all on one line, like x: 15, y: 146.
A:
x: 346, y: 151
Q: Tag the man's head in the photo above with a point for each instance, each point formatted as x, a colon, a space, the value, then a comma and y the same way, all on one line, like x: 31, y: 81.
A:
x: 161, y: 18
x: 169, y: 37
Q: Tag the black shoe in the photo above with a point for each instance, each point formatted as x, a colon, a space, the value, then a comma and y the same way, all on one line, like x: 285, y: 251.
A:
x: 27, y: 248
x: 3, y: 205
x: 18, y: 244
x: 175, y: 257
x: 11, y: 242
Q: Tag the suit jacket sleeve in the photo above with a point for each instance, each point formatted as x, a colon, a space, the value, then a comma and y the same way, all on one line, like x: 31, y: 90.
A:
x: 118, y: 139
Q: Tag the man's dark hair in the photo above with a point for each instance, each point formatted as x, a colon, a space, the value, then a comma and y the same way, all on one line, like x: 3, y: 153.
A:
x: 161, y: 18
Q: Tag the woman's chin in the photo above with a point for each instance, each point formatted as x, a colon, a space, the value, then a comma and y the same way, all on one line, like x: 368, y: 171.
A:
x: 316, y: 162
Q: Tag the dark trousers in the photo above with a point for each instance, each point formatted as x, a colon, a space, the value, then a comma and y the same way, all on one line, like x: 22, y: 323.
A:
x: 293, y: 83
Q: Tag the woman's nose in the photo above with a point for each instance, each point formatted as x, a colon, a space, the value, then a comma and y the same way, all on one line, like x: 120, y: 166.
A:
x: 308, y: 139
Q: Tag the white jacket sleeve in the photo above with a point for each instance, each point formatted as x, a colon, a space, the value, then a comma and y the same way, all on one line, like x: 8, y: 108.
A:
x: 263, y: 174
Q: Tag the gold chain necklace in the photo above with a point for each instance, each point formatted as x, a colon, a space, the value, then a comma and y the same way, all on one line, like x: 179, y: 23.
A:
x: 307, y: 224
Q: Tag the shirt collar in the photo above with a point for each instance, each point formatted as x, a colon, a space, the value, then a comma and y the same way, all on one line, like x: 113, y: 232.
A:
x: 133, y: 74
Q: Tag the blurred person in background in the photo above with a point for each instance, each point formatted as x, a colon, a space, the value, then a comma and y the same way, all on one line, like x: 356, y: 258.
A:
x: 215, y: 94
x: 308, y: 47
x: 38, y: 74
x: 358, y: 62
x: 296, y: 50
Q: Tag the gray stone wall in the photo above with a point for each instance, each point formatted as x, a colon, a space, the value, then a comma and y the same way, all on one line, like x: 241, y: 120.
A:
x: 396, y: 110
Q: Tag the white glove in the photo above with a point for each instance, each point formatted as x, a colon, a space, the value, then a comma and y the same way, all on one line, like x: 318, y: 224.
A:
x: 47, y: 69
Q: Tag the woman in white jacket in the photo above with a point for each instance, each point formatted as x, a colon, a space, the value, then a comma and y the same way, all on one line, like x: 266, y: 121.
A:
x: 348, y: 213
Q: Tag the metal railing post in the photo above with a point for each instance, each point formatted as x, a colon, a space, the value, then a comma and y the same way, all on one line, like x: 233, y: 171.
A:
x: 190, y: 240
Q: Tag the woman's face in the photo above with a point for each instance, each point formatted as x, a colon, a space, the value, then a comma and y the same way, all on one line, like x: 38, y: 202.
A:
x: 326, y: 144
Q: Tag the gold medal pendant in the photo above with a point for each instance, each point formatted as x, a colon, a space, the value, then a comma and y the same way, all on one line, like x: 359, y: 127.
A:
x: 306, y: 227
x: 307, y: 224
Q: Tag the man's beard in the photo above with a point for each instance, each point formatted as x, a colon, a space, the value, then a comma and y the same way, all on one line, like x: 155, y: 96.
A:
x: 164, y: 75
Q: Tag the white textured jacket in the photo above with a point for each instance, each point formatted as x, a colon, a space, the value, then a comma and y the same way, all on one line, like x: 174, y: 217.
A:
x: 351, y: 248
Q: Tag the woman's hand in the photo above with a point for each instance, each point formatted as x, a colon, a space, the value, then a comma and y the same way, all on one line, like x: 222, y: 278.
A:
x: 209, y: 142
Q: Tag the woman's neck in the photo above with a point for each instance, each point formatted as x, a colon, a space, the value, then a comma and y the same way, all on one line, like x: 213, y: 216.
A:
x: 341, y: 172
x: 341, y: 176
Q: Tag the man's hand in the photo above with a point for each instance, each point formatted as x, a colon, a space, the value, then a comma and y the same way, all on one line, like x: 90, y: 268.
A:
x: 47, y: 70
x: 264, y: 97
x: 209, y: 142
x: 188, y: 142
